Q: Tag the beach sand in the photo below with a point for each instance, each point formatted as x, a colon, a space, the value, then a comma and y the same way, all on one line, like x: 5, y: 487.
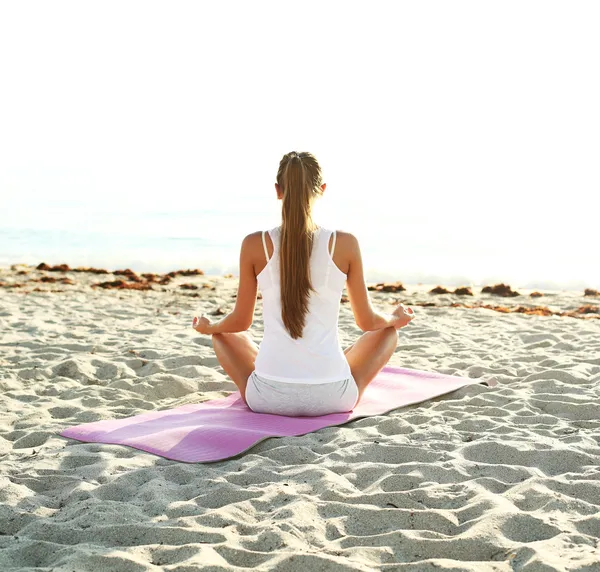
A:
x: 503, y: 478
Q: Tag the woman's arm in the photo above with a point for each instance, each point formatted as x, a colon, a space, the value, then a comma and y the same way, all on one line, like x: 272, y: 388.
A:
x: 241, y: 317
x: 366, y: 317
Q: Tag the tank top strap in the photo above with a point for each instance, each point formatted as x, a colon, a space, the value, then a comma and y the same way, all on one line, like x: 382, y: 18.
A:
x: 274, y: 234
x: 265, y: 246
x: 333, y: 244
x: 327, y: 235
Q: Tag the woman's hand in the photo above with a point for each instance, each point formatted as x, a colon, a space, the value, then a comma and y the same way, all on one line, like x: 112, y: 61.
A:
x: 201, y: 324
x: 404, y: 314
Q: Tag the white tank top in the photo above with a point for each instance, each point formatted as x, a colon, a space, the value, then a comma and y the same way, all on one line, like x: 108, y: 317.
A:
x: 317, y: 356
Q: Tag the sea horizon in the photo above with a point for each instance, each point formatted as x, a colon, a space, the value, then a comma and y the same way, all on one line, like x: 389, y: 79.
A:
x: 154, y: 252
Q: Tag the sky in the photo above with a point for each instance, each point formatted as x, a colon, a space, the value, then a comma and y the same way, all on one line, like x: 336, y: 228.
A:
x: 460, y: 135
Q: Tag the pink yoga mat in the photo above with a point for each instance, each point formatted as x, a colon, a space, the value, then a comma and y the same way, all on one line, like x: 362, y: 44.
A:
x: 222, y: 428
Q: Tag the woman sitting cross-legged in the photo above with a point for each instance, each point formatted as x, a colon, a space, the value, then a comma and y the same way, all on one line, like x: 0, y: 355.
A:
x: 301, y: 268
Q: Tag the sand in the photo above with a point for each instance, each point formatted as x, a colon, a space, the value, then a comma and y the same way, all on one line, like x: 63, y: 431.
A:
x: 503, y: 478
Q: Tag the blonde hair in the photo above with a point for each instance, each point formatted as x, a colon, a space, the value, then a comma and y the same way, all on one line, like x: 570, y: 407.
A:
x: 299, y: 178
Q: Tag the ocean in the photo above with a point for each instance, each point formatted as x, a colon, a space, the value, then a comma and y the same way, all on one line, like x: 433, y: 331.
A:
x: 412, y: 247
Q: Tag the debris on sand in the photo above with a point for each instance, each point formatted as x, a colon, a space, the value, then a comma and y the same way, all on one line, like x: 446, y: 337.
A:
x: 57, y: 268
x: 90, y: 270
x: 158, y: 278
x: 386, y: 287
x: 463, y: 291
x: 500, y: 290
x: 189, y: 272
x: 52, y: 279
x: 533, y: 311
x: 131, y: 275
x: 587, y: 309
x: 122, y: 285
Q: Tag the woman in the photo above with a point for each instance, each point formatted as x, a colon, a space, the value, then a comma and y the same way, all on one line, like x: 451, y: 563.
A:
x: 301, y: 268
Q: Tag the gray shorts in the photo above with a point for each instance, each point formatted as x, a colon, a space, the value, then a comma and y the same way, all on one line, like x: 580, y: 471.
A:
x: 300, y: 399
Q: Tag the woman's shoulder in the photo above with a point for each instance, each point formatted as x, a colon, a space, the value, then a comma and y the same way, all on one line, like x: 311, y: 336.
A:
x: 343, y: 233
x: 343, y: 237
x: 338, y: 232
x: 345, y: 246
x: 254, y: 240
x: 252, y: 237
x: 257, y: 235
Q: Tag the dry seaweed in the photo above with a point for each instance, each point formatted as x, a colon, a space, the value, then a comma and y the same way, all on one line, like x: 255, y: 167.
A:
x: 500, y: 290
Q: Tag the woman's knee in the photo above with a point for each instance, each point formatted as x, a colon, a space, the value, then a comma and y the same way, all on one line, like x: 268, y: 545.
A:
x: 232, y: 336
x: 390, y: 333
x: 221, y: 338
x: 221, y: 343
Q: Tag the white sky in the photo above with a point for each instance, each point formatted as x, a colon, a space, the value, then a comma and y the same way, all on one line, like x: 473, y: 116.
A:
x: 477, y: 119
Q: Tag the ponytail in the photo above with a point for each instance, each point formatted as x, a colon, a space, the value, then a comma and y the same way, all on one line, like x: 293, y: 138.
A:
x: 299, y: 177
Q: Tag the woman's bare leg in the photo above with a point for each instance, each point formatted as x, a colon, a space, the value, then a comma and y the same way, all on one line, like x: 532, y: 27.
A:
x: 236, y: 353
x: 368, y: 355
